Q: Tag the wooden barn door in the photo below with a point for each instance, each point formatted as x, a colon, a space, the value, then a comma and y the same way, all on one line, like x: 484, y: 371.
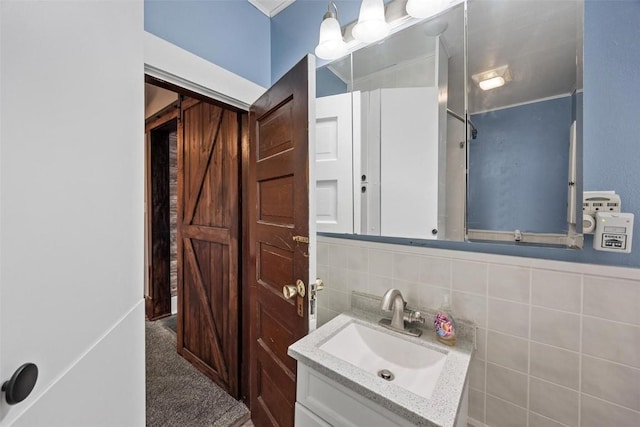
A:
x: 281, y: 239
x: 208, y: 233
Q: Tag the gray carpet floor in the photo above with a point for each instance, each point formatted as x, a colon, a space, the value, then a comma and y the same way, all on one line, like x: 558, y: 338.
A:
x: 177, y: 393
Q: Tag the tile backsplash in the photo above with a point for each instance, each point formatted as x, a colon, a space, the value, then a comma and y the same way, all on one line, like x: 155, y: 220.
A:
x: 558, y: 344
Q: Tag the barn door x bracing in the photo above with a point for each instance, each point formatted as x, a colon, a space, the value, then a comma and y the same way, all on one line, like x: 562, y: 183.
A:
x: 281, y: 238
x: 208, y: 228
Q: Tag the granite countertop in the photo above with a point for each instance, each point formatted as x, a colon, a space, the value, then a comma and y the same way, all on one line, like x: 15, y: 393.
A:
x: 439, y: 411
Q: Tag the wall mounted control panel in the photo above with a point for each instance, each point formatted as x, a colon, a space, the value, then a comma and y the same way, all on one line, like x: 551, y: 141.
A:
x: 613, y: 232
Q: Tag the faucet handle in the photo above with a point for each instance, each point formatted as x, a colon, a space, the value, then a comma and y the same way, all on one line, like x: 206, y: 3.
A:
x: 415, y: 317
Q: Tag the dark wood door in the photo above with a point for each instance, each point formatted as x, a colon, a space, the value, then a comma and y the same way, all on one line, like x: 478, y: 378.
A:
x: 160, y: 133
x: 278, y: 201
x: 208, y: 229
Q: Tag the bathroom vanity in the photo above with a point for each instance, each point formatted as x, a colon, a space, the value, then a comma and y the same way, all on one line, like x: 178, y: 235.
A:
x: 353, y: 372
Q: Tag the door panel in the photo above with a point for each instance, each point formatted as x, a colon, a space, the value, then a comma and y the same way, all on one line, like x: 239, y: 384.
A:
x: 208, y: 227
x: 278, y: 209
x: 334, y: 148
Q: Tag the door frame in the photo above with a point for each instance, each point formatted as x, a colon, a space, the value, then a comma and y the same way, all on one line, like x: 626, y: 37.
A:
x: 171, y: 67
x: 157, y: 296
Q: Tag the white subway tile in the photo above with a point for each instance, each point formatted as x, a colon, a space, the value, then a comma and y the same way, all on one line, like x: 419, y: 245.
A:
x: 338, y: 279
x: 339, y: 301
x: 358, y: 259
x: 612, y: 299
x: 431, y: 296
x: 610, y: 381
x: 476, y: 404
x: 338, y: 256
x: 504, y: 414
x: 406, y: 267
x: 470, y: 307
x: 509, y: 317
x: 508, y: 351
x: 380, y: 262
x: 555, y: 328
x: 435, y: 272
x: 553, y: 401
x: 378, y: 285
x: 322, y: 254
x: 555, y: 365
x: 612, y: 341
x: 507, y: 384
x: 597, y: 413
x: 481, y: 344
x: 557, y: 290
x: 477, y: 374
x: 470, y: 277
x: 509, y: 282
x: 536, y: 420
x: 358, y: 281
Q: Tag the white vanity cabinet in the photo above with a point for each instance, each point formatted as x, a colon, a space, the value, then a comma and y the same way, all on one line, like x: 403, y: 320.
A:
x: 322, y: 402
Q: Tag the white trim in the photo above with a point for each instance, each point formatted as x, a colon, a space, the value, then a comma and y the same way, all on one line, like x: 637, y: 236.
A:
x: 174, y: 305
x: 273, y: 11
x: 168, y: 62
x: 520, y: 104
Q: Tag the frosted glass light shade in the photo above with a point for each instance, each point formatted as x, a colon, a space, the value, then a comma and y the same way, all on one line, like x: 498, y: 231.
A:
x: 330, y: 45
x: 371, y: 24
x: 424, y: 8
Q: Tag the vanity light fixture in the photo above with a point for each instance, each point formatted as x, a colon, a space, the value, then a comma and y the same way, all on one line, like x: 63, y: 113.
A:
x: 331, y: 45
x: 494, y: 78
x: 425, y: 8
x: 371, y: 25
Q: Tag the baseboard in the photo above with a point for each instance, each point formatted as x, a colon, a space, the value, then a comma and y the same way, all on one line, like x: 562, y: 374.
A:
x: 174, y: 305
x: 475, y: 423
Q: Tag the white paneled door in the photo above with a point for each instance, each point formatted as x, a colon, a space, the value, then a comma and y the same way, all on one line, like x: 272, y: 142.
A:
x: 71, y: 211
x: 334, y: 164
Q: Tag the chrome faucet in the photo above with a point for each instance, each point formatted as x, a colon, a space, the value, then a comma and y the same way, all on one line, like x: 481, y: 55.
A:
x: 392, y: 301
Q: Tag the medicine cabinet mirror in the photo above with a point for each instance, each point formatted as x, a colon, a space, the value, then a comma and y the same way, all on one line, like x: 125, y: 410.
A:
x: 410, y: 147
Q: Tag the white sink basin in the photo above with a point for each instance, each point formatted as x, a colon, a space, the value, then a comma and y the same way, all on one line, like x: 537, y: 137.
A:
x: 414, y: 367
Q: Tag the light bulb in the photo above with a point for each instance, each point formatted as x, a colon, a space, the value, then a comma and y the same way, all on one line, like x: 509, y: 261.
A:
x: 330, y: 45
x: 424, y: 8
x: 371, y: 24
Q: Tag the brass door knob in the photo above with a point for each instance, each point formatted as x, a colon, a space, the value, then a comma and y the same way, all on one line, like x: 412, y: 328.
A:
x: 289, y: 291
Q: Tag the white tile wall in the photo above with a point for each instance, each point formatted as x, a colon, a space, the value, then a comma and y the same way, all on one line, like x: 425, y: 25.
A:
x: 558, y: 345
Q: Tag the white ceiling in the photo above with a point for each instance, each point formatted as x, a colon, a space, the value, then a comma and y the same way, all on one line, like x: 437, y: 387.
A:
x: 271, y: 7
x: 538, y: 39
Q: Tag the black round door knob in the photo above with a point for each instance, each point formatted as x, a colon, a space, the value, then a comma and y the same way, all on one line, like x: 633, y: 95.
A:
x: 21, y: 383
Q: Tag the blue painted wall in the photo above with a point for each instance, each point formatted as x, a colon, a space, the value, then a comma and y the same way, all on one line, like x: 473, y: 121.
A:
x: 294, y: 31
x: 518, y: 168
x: 230, y: 33
x: 238, y: 37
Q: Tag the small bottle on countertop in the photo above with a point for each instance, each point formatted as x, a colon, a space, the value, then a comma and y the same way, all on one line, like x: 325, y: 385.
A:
x: 444, y: 325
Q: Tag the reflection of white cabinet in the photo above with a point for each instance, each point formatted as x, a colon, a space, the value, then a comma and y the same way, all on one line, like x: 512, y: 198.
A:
x: 397, y: 150
x: 334, y: 164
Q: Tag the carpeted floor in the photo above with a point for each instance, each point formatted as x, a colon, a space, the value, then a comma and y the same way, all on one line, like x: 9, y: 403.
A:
x: 177, y: 393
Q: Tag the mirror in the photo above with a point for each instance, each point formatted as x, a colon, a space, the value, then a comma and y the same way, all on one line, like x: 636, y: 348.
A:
x: 524, y: 175
x: 397, y: 157
x: 397, y: 109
